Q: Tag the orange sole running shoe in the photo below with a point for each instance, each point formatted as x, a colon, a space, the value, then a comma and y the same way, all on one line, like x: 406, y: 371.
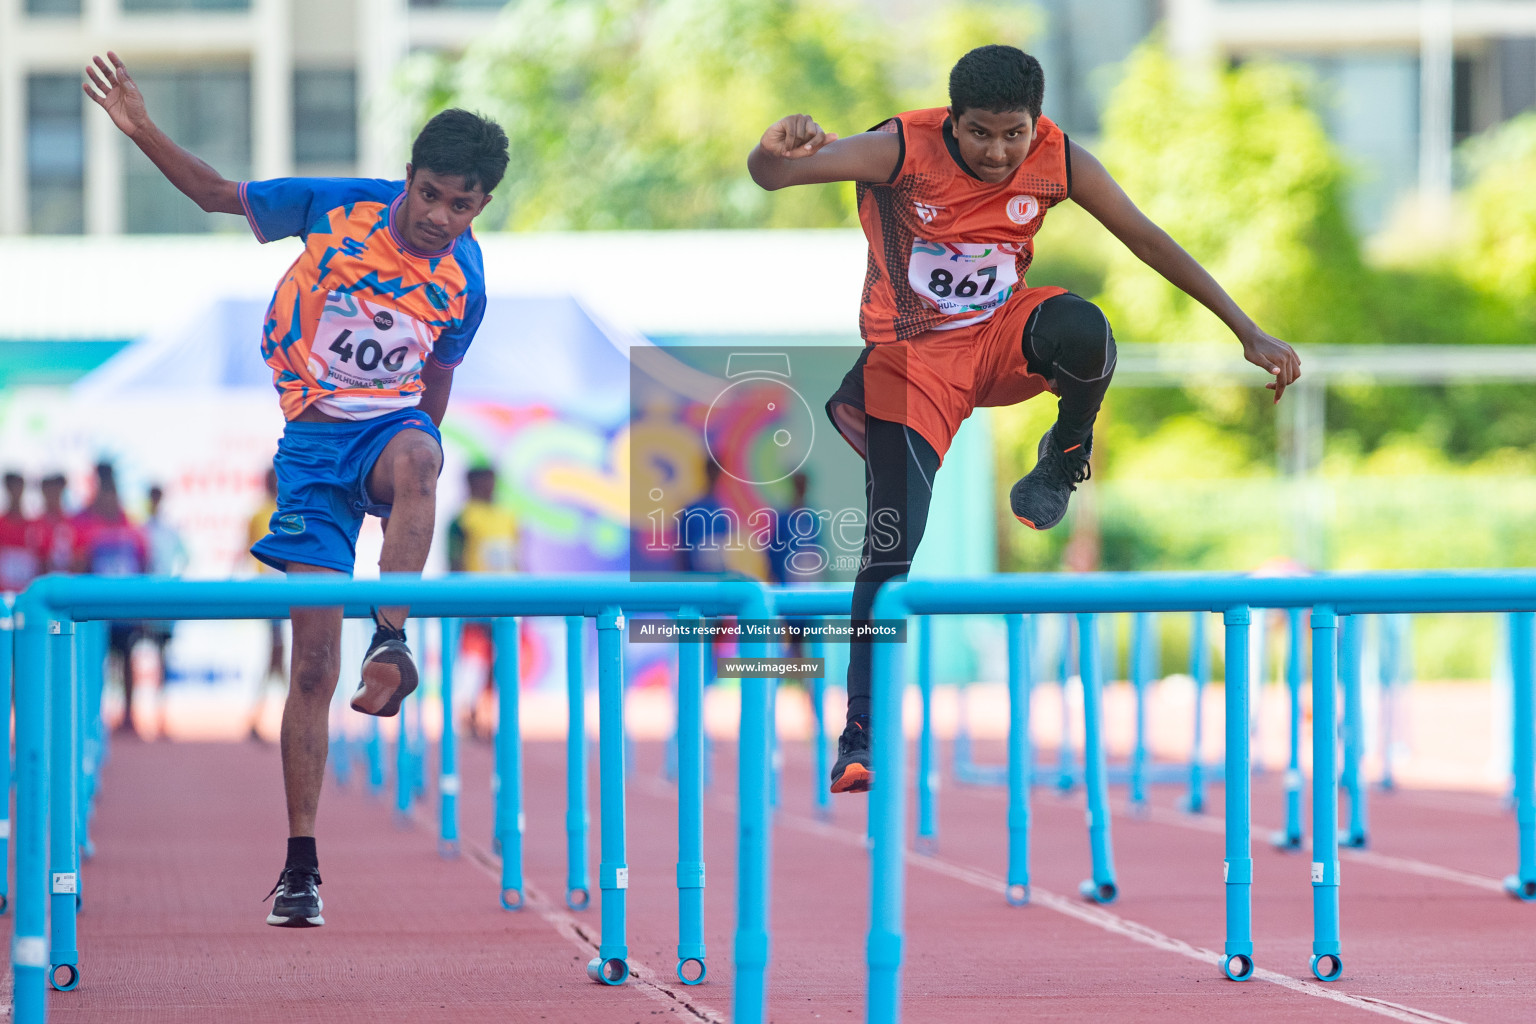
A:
x: 855, y: 779
x: 852, y: 773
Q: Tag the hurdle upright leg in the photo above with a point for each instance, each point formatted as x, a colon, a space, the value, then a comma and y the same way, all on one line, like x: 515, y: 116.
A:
x: 1237, y: 961
x: 1390, y: 630
x: 927, y: 769
x: 1290, y: 838
x: 753, y: 839
x: 403, y: 768
x: 509, y: 761
x: 1199, y: 668
x: 1327, y: 963
x: 1101, y: 888
x: 821, y: 793
x: 578, y: 889
x: 1141, y: 663
x: 691, y: 969
x: 91, y: 641
x: 29, y: 945
x: 448, y: 757
x: 1522, y: 651
x: 1065, y: 773
x: 64, y: 763
x: 1020, y: 759
x: 611, y: 965
x: 7, y: 649
x: 1352, y: 642
x: 375, y: 752
x: 887, y: 811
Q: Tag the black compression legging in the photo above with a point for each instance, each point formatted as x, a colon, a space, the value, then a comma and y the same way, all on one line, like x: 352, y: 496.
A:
x: 1067, y: 340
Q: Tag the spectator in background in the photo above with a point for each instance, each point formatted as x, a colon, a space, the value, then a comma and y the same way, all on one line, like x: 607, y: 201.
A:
x: 277, y: 653
x: 54, y: 538
x: 167, y: 557
x: 706, y: 528
x: 482, y: 538
x: 108, y: 544
x: 18, y: 554
x: 796, y: 529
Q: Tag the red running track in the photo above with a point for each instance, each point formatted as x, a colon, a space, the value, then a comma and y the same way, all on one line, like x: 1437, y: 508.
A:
x: 189, y: 837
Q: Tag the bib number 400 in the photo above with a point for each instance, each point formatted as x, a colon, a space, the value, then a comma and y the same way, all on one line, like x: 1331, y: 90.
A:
x: 368, y: 354
x: 942, y: 283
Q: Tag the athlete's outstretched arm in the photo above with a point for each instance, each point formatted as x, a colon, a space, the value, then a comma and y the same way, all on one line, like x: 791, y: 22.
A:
x: 436, y: 383
x: 116, y: 93
x: 795, y: 151
x: 1098, y: 193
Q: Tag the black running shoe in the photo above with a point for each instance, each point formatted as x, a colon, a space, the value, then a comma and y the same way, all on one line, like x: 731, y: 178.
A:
x: 388, y: 675
x: 1039, y: 499
x: 298, y: 902
x: 851, y: 773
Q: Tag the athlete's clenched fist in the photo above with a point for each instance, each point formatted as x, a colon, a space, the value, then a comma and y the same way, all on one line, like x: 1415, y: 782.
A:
x: 795, y: 136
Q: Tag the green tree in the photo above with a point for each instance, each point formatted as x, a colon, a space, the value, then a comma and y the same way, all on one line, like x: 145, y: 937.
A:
x: 640, y: 113
x: 1240, y: 171
x: 1500, y: 250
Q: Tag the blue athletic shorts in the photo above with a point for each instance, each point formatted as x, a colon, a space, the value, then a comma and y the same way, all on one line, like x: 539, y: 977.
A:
x: 322, y: 488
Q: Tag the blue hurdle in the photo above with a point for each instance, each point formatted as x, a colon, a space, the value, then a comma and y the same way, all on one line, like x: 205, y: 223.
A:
x: 7, y: 648
x: 1328, y: 597
x: 1199, y: 670
x: 578, y: 888
x: 1290, y: 837
x: 1351, y: 651
x: 507, y: 784
x: 447, y: 747
x: 1522, y: 658
x: 49, y: 609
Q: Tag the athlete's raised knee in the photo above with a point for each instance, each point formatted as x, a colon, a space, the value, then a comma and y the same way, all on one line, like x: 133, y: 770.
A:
x: 415, y: 465
x: 1070, y: 338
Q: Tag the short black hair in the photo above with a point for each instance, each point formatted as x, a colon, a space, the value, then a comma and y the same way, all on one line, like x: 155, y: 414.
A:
x: 11, y: 476
x: 464, y: 144
x: 997, y: 78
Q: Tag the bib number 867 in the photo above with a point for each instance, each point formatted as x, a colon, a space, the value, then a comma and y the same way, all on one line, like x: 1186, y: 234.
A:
x: 942, y: 283
x: 368, y: 353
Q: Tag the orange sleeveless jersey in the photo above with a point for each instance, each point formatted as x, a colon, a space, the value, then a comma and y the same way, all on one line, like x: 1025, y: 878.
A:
x: 947, y: 250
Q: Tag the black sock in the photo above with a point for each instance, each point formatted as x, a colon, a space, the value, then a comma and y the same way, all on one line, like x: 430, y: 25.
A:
x: 301, y: 853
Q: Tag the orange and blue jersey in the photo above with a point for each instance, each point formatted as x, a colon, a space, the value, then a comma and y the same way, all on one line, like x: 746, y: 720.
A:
x: 357, y: 315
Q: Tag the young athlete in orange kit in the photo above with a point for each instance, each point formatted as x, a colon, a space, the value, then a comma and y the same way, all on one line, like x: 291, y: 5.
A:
x: 950, y: 199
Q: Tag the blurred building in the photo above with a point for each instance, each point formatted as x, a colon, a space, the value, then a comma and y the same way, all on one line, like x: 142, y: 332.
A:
x: 1400, y: 81
x: 258, y: 88
x: 262, y: 88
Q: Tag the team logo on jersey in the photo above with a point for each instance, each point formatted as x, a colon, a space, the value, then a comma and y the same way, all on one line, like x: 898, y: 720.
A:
x: 926, y: 212
x: 292, y: 524
x: 1023, y: 209
x: 382, y: 320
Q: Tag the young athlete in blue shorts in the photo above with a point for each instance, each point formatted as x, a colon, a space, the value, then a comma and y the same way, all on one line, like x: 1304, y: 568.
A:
x: 362, y: 335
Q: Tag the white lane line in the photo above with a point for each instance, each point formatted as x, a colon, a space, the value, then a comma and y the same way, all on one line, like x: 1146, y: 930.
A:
x: 577, y: 932
x: 1117, y: 925
x: 1404, y: 865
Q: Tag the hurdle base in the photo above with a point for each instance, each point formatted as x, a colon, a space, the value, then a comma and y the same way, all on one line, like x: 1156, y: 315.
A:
x: 1524, y: 891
